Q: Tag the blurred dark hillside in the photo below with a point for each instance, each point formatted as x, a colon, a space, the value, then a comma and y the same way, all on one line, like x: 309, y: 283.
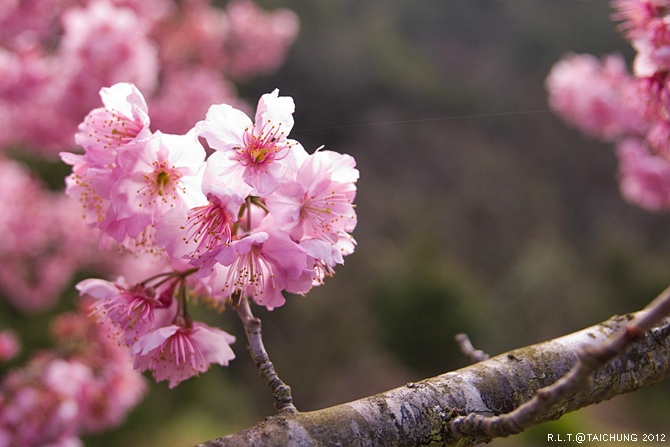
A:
x: 479, y: 211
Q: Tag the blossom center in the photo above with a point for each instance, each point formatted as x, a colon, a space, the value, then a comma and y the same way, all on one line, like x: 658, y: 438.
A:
x: 261, y: 148
x: 209, y: 227
x: 251, y: 274
x: 162, y: 180
x: 162, y: 185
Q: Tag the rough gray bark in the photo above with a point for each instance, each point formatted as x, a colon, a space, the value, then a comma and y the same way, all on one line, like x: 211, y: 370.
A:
x: 419, y: 414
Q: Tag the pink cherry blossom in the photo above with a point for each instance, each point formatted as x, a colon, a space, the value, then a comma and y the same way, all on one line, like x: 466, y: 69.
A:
x: 324, y: 255
x: 260, y: 266
x: 132, y: 310
x: 640, y: 17
x: 644, y: 179
x: 199, y: 234
x: 53, y: 399
x: 260, y: 153
x: 122, y: 122
x: 153, y: 176
x: 258, y: 40
x: 593, y: 96
x: 44, y: 240
x: 319, y: 203
x: 104, y: 44
x: 111, y: 387
x: 176, y: 353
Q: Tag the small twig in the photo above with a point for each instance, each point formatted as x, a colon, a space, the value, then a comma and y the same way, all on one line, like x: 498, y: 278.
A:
x: 474, y: 355
x: 589, y: 360
x: 252, y: 327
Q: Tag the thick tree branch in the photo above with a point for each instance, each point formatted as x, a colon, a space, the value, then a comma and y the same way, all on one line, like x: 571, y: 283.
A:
x: 422, y: 413
x: 590, y: 358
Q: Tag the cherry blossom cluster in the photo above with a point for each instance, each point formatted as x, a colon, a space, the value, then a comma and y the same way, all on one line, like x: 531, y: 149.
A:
x: 602, y: 99
x: 41, y: 247
x: 257, y: 217
x: 184, y: 52
x: 85, y: 386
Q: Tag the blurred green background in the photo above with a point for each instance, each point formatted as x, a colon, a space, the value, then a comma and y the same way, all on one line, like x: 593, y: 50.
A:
x: 479, y: 211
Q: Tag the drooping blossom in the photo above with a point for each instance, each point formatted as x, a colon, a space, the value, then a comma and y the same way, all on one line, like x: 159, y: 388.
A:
x: 132, y: 311
x: 176, y: 353
x: 259, y: 153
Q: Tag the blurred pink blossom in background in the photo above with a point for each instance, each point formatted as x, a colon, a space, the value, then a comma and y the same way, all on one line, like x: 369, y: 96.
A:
x: 57, y: 54
x: 602, y: 100
x: 85, y: 386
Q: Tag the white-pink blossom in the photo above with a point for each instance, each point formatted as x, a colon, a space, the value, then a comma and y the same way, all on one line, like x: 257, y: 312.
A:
x: 123, y: 119
x: 106, y: 131
x: 153, y: 176
x: 260, y: 153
